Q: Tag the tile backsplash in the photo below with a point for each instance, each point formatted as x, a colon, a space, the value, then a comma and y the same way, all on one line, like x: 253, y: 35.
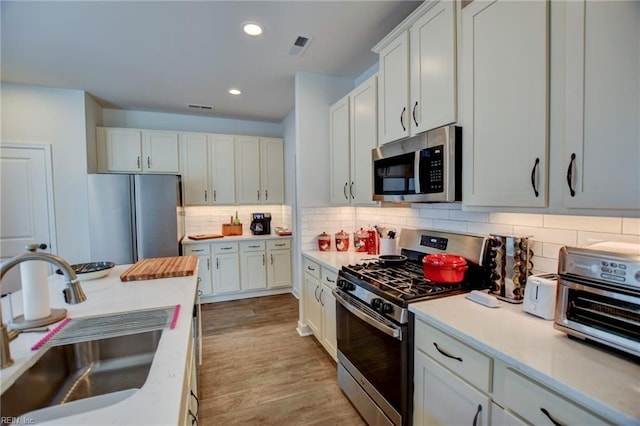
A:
x: 549, y: 232
x: 209, y: 219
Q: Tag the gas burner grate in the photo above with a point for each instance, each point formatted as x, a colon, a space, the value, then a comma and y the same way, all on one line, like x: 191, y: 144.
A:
x: 406, y: 282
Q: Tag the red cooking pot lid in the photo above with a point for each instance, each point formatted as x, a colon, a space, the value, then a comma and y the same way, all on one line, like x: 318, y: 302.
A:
x: 444, y: 260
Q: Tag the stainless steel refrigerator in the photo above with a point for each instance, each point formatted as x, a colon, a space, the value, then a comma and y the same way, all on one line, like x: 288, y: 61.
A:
x: 133, y: 217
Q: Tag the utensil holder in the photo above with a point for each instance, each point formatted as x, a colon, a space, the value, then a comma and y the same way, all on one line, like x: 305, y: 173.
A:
x: 231, y: 229
x: 511, y: 266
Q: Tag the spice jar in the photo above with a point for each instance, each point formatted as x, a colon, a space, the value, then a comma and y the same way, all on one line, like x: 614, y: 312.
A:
x: 342, y: 241
x: 360, y: 240
x: 324, y: 242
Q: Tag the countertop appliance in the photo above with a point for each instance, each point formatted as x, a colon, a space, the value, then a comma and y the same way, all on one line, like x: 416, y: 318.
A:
x: 133, y: 217
x: 425, y: 168
x: 261, y: 224
x: 599, y: 294
x: 374, y: 325
x: 540, y: 295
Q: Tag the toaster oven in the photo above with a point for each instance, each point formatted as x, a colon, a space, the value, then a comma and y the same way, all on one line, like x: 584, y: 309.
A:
x: 598, y: 295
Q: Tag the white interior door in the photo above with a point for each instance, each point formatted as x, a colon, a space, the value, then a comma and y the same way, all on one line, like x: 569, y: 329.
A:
x: 27, y: 215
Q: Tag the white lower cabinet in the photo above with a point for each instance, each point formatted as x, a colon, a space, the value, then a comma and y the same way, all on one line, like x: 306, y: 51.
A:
x: 279, y: 263
x: 320, y: 305
x: 203, y: 251
x: 252, y: 265
x: 191, y: 403
x: 226, y: 267
x: 456, y: 383
x: 442, y: 398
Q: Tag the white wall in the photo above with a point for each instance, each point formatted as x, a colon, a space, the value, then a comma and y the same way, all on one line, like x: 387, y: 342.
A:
x: 33, y: 114
x: 549, y: 232
x: 93, y: 113
x: 189, y: 123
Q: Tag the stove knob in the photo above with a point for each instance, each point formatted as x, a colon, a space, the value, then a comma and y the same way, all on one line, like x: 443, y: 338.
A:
x: 376, y: 304
x: 387, y: 308
x: 345, y: 285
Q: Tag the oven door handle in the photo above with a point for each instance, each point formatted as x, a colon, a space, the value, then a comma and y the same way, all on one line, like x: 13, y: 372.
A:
x: 396, y: 333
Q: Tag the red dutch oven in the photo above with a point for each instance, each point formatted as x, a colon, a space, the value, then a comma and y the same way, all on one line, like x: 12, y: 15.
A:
x: 444, y: 268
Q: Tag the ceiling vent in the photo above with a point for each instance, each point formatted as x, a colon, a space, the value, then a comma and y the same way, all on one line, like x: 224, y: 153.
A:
x: 204, y: 107
x: 300, y: 44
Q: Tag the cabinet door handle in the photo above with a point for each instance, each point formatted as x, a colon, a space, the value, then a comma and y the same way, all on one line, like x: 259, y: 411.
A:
x: 329, y: 280
x: 205, y: 195
x: 226, y: 248
x: 447, y: 354
x: 194, y: 419
x: 351, y: 190
x: 193, y: 395
x: 570, y: 175
x: 254, y: 246
x: 344, y: 190
x: 217, y: 263
x: 263, y: 260
x: 402, y: 119
x: 258, y: 195
x: 266, y: 194
x: 475, y: 418
x: 138, y: 161
x: 320, y: 298
x: 214, y: 195
x: 196, y: 250
x: 280, y: 244
x: 554, y: 421
x: 148, y: 162
x: 272, y: 258
x: 533, y: 177
x: 414, y: 113
x: 316, y: 294
x: 208, y: 264
x: 310, y: 268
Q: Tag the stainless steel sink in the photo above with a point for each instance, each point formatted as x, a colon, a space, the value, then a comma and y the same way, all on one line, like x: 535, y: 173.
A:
x: 82, y: 370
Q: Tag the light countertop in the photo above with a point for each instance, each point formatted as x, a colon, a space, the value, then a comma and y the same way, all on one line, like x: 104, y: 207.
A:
x: 158, y: 402
x: 336, y: 259
x: 606, y: 383
x: 244, y: 237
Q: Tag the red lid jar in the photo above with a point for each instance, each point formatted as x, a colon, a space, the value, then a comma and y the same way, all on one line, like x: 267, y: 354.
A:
x: 444, y: 268
x: 324, y: 242
x: 342, y: 241
x: 360, y: 239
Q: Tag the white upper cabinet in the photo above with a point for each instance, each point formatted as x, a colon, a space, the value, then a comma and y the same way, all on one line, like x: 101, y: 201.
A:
x: 137, y: 151
x: 353, y: 136
x: 432, y: 40
x: 417, y: 78
x: 195, y: 169
x: 393, y: 120
x: 272, y: 170
x: 259, y: 170
x: 602, y: 115
x: 222, y: 169
x: 505, y: 79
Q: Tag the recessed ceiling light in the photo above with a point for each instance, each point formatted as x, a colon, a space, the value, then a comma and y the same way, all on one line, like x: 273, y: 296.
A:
x: 252, y: 28
x: 235, y: 91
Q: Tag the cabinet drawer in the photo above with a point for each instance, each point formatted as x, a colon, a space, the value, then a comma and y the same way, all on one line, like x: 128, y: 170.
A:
x: 278, y: 244
x: 469, y: 364
x: 538, y: 405
x: 329, y: 277
x: 197, y: 250
x: 311, y: 268
x: 252, y: 245
x: 225, y: 248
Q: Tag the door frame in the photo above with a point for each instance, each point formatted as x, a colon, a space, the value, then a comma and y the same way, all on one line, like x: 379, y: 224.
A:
x: 48, y: 159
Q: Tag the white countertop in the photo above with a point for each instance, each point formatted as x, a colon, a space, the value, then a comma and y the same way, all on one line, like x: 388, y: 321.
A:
x: 606, y: 383
x: 158, y: 402
x: 336, y: 259
x: 244, y: 237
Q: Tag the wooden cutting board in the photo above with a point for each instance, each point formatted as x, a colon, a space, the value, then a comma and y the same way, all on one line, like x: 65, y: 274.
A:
x: 161, y: 267
x: 205, y: 236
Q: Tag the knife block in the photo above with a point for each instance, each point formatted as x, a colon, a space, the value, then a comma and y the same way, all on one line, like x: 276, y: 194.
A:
x: 231, y: 229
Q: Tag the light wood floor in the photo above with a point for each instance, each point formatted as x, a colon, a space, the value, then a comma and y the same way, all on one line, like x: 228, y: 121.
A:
x: 257, y: 370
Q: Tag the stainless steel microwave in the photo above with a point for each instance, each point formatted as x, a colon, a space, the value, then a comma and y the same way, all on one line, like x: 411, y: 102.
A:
x: 423, y: 169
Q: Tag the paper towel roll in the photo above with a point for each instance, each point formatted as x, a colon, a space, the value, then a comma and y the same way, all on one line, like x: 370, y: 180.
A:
x: 35, y: 290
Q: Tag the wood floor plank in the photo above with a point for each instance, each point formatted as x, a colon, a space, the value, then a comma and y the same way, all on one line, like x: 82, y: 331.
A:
x: 257, y: 370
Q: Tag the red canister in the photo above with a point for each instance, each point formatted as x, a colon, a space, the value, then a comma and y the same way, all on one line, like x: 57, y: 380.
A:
x: 444, y: 268
x: 342, y: 241
x: 324, y: 242
x: 360, y: 239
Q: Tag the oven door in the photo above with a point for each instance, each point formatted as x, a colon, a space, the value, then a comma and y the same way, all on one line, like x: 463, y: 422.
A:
x: 374, y: 351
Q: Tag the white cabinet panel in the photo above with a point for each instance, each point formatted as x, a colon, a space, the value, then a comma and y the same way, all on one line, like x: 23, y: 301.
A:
x: 195, y: 169
x: 339, y: 151
x: 248, y: 168
x: 160, y: 151
x: 393, y: 117
x: 313, y: 308
x: 226, y: 268
x: 602, y: 77
x: 272, y: 170
x: 119, y: 150
x: 222, y: 169
x: 505, y: 78
x: 253, y: 265
x: 279, y: 263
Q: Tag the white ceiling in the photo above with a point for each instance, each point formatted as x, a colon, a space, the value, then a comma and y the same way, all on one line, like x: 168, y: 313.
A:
x: 161, y: 55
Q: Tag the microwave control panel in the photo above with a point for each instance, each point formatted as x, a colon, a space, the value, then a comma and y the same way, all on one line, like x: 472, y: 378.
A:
x: 432, y: 170
x: 615, y: 271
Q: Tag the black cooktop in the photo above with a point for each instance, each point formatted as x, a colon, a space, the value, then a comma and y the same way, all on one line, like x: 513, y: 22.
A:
x: 405, y: 283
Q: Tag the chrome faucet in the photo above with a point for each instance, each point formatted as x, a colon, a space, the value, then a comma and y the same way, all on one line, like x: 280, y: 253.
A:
x: 73, y: 292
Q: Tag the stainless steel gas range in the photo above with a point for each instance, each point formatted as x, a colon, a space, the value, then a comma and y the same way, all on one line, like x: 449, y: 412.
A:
x: 375, y: 327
